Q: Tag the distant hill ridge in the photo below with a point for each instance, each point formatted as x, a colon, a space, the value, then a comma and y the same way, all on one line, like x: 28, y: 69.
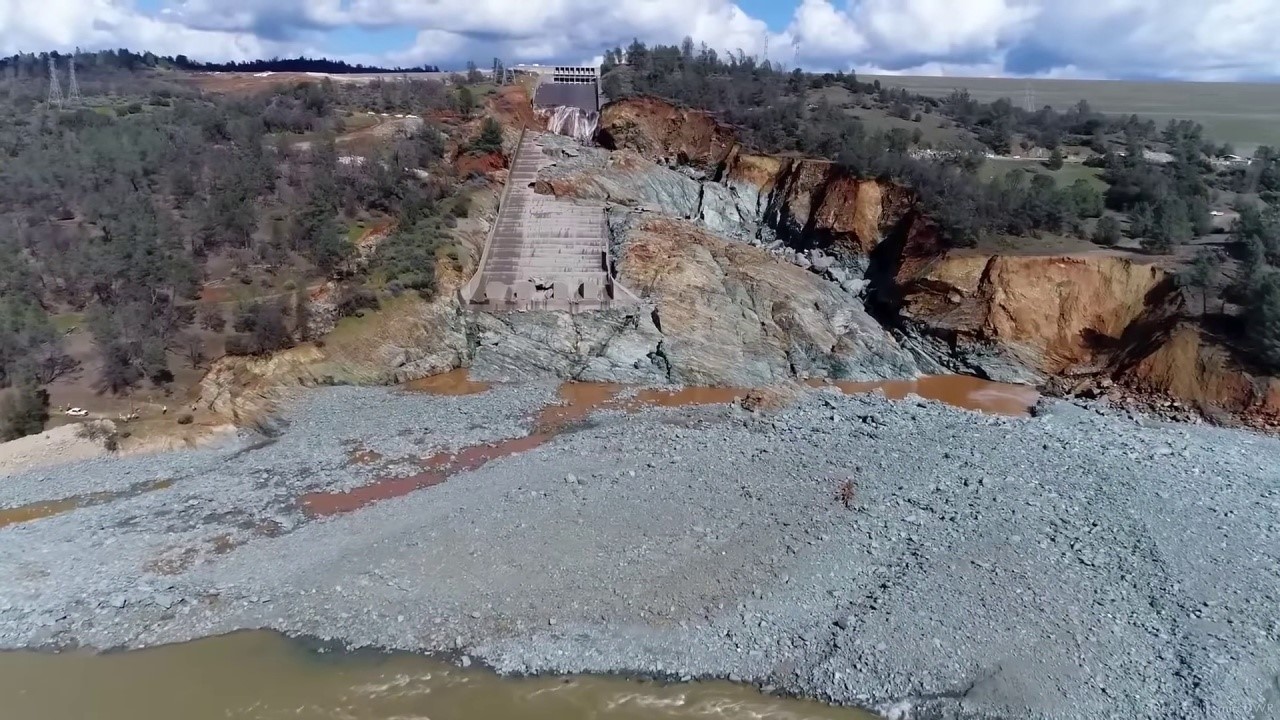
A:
x: 128, y: 60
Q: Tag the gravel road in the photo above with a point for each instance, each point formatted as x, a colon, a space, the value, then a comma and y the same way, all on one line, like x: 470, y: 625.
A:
x: 1072, y: 565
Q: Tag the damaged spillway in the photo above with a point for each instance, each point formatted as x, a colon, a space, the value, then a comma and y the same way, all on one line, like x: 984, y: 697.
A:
x: 544, y: 253
x: 574, y: 122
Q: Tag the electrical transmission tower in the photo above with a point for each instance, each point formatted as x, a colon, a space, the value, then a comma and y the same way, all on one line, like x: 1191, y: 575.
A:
x: 1029, y: 98
x: 73, y: 86
x: 795, y: 53
x: 55, y: 90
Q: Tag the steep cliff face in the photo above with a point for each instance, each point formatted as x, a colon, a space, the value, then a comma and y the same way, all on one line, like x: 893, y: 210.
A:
x: 712, y: 236
x: 665, y: 133
x: 1182, y: 362
x: 808, y: 202
x: 813, y: 203
x: 1055, y: 314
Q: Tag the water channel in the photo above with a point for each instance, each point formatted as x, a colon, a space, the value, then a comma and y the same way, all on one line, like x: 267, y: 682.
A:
x: 260, y: 675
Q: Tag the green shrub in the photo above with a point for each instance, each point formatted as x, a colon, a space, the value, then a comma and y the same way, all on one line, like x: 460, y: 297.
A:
x: 490, y: 138
x: 23, y: 412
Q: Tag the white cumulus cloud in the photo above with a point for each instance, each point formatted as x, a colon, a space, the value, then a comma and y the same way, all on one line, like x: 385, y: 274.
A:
x: 1195, y: 39
x: 35, y: 25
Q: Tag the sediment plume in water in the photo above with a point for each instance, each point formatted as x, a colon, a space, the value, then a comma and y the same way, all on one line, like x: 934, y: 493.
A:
x: 573, y: 122
x: 263, y: 676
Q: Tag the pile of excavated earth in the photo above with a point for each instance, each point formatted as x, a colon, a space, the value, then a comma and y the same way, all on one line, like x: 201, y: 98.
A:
x: 901, y: 556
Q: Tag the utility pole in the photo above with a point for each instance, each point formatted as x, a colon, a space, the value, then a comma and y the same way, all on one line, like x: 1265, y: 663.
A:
x: 73, y: 87
x: 55, y: 90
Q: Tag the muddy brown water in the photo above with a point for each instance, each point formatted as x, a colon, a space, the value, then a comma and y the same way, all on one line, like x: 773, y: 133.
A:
x: 578, y: 400
x: 963, y: 391
x: 260, y: 675
x: 454, y: 382
x: 35, y: 511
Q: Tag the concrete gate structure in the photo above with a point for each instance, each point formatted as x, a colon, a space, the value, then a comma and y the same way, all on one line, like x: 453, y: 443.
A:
x: 565, y: 86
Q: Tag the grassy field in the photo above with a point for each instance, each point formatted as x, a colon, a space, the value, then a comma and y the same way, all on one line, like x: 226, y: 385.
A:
x: 1245, y: 115
x: 68, y: 321
x: 934, y: 128
x: 1068, y: 174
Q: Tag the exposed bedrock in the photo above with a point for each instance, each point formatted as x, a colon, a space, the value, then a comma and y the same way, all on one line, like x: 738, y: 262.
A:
x: 720, y: 313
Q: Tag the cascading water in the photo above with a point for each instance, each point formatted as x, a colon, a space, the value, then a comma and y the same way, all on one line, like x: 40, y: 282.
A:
x: 574, y: 122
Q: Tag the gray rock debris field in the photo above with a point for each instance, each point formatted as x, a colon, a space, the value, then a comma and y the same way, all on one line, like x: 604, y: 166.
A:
x: 1074, y: 565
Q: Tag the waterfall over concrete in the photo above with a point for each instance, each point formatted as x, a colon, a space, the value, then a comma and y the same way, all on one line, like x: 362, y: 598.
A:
x: 574, y: 122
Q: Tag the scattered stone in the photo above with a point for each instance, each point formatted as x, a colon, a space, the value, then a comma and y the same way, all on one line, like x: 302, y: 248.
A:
x: 974, y: 537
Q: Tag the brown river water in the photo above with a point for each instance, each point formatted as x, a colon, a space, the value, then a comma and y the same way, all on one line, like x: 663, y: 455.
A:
x: 264, y: 676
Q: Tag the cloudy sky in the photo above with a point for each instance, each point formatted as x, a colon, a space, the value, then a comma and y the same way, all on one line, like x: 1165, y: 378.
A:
x: 1182, y: 39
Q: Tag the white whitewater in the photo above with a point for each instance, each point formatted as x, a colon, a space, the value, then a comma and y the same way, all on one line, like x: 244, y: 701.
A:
x: 574, y: 122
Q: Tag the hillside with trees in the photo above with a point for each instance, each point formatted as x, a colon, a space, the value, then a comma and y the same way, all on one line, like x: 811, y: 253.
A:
x: 155, y: 226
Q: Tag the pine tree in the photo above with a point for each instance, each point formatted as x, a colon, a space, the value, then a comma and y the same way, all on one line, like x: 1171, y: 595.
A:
x: 1141, y: 221
x: 1202, y: 273
x: 1056, y: 160
x: 1107, y: 231
x: 466, y: 101
x: 24, y: 411
x: 302, y: 315
x: 490, y: 139
x: 1262, y: 316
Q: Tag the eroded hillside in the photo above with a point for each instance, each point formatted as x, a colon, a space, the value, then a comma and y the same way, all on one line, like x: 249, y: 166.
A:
x: 760, y: 269
x: 1106, y: 320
